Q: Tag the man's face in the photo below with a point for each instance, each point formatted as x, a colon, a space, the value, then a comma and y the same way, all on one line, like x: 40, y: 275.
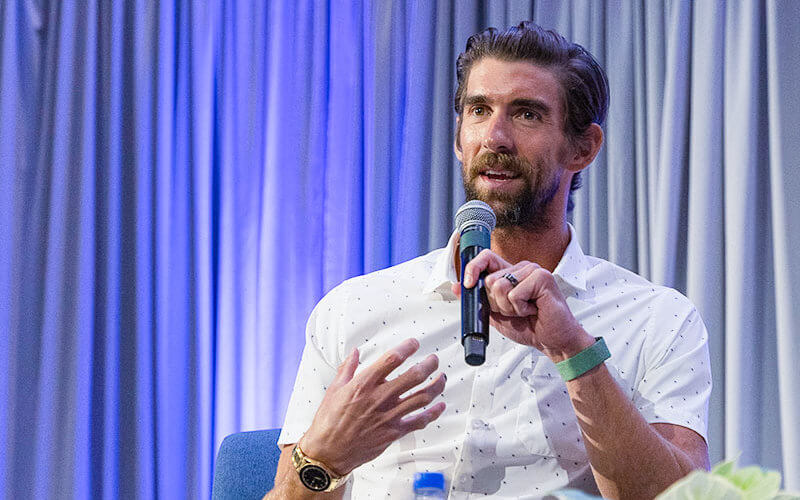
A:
x: 512, y: 140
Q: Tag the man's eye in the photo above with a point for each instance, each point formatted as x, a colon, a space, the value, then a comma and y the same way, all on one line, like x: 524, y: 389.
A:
x: 478, y: 111
x: 529, y: 115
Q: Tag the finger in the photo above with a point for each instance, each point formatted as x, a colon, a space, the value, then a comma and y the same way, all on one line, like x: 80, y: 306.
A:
x: 497, y: 278
x: 528, y: 290
x: 420, y: 398
x: 520, y: 270
x: 498, y: 286
x: 377, y: 372
x: 422, y: 419
x: 485, y: 261
x: 344, y: 373
x: 523, y: 297
x: 456, y: 287
x: 414, y: 375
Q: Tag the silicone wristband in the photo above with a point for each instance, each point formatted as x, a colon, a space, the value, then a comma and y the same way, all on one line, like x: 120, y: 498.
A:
x: 577, y: 365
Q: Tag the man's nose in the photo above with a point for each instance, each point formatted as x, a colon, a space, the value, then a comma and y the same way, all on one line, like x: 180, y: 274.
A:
x: 498, y: 138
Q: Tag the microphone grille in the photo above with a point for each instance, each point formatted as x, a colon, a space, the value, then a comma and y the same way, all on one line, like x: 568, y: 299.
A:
x: 475, y: 212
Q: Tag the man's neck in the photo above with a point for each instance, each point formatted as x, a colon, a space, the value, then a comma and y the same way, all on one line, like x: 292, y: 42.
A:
x: 544, y: 247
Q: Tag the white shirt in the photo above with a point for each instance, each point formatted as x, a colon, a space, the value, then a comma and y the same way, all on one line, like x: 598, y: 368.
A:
x: 509, y: 430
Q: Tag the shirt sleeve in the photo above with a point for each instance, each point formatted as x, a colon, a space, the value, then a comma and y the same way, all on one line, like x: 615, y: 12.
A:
x: 676, y: 385
x: 318, y: 365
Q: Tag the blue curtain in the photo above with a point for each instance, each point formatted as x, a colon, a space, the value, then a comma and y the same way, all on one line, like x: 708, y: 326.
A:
x: 181, y: 181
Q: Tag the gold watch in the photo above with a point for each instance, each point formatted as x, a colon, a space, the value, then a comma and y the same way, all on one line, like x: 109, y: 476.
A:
x: 315, y: 475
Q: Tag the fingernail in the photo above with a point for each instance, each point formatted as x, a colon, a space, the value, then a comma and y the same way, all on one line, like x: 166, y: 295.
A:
x: 467, y: 280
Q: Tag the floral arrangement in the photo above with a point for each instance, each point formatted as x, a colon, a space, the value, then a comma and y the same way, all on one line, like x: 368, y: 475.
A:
x: 724, y: 482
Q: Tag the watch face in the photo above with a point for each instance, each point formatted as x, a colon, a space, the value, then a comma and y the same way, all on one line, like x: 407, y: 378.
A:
x: 315, y: 478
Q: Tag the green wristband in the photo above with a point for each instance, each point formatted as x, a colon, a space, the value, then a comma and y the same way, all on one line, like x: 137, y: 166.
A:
x: 577, y: 365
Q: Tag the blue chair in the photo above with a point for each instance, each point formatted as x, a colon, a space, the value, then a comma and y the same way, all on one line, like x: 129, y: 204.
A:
x: 246, y: 465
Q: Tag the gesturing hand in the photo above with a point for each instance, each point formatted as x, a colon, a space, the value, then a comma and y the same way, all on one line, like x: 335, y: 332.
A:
x: 360, y: 416
x: 534, y: 312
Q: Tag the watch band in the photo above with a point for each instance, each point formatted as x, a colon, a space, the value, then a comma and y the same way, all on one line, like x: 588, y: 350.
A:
x: 577, y: 365
x: 315, y: 475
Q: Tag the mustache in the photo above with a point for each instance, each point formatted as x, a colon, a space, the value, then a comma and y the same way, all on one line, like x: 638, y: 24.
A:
x: 499, y: 161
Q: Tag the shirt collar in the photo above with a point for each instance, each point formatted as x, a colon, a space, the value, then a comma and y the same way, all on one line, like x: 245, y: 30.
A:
x: 572, y: 267
x: 570, y: 271
x: 444, y: 271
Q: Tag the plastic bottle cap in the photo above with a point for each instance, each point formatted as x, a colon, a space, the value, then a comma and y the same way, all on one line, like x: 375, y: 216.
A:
x: 429, y: 480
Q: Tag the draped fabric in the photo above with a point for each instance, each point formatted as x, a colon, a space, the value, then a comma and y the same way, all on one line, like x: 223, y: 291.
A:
x: 180, y: 182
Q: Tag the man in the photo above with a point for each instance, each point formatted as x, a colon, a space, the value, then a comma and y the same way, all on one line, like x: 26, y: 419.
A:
x: 529, y: 107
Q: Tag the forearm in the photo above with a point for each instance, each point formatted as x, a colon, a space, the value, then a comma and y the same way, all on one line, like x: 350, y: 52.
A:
x: 629, y: 458
x: 288, y: 485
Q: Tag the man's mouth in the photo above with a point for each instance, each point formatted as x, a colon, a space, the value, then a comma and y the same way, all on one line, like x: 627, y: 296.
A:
x: 499, y: 175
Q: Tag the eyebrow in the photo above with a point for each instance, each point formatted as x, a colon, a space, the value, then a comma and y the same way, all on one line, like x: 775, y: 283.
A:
x: 535, y: 104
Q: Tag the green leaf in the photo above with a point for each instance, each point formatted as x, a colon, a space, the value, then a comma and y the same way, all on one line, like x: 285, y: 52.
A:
x: 756, y: 483
x: 725, y: 468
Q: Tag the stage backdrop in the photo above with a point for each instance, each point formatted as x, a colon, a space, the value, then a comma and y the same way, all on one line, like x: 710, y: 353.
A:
x: 181, y: 181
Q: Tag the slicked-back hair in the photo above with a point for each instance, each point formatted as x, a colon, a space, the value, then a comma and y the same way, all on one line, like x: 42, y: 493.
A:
x: 584, y: 85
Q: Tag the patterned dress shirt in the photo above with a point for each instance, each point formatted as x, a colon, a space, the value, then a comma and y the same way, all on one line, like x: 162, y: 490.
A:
x: 509, y: 430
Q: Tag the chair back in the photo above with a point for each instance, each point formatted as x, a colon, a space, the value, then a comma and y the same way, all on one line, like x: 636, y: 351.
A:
x: 246, y: 465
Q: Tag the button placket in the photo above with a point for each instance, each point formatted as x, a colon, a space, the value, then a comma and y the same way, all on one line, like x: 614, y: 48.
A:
x: 529, y: 426
x: 477, y: 424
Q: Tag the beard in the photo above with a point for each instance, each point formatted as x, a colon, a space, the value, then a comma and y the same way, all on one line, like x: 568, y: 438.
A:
x: 525, y: 207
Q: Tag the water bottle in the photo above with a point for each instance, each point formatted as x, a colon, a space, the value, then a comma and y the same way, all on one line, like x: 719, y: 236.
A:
x: 429, y: 486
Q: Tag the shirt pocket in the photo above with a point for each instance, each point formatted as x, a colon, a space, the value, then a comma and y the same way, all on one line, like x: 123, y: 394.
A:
x: 546, y: 424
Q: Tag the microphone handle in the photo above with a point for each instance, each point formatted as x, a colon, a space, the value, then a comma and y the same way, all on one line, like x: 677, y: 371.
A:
x: 474, y: 313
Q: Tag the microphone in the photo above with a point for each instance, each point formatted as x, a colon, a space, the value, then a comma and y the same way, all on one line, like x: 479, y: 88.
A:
x: 475, y: 221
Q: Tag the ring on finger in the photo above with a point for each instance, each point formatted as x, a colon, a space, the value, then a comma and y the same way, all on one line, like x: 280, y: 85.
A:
x: 512, y: 279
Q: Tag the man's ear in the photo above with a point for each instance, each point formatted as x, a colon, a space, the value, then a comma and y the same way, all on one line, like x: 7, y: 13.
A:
x: 457, y: 141
x: 585, y: 148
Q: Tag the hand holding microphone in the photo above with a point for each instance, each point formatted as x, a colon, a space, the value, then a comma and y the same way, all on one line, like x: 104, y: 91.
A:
x: 522, y: 301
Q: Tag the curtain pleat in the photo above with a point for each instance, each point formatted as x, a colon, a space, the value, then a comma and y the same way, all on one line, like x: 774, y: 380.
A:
x: 705, y: 267
x: 783, y: 108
